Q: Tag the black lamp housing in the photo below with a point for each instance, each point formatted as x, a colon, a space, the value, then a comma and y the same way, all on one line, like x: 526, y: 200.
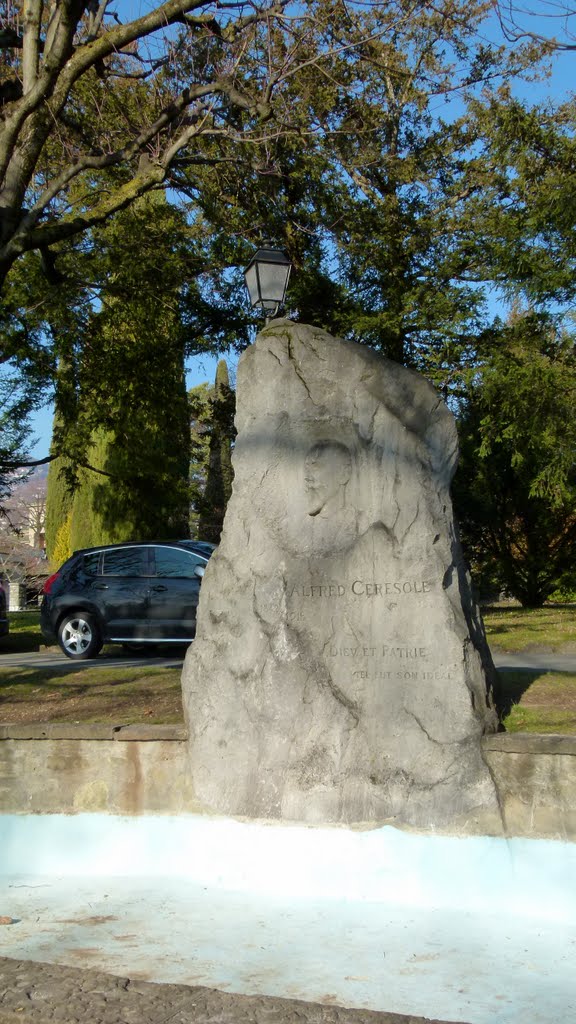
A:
x: 267, y: 277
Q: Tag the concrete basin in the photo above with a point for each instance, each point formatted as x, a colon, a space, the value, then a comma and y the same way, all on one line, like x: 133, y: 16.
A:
x: 475, y: 929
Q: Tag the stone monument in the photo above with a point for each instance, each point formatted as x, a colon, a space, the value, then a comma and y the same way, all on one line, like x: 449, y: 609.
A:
x: 340, y: 672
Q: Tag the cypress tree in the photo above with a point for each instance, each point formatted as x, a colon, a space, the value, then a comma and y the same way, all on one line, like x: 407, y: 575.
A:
x: 59, y: 495
x: 81, y: 525
x: 62, y: 547
x: 132, y: 401
x: 200, y: 403
x: 220, y: 473
x: 85, y: 527
x: 58, y: 505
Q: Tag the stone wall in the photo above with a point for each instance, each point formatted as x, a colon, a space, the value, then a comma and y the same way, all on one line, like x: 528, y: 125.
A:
x: 536, y: 781
x: 67, y: 769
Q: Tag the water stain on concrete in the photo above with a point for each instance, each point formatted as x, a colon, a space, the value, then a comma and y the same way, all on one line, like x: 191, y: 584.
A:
x: 87, y: 922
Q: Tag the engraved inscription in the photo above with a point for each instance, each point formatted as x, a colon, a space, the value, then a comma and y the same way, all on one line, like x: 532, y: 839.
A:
x: 380, y: 651
x: 398, y: 656
x: 366, y: 658
x: 425, y: 676
x: 404, y: 652
x: 381, y: 589
x: 319, y: 590
x: 361, y: 588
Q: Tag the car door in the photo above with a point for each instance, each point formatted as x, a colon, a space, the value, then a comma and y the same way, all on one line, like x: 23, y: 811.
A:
x: 174, y: 592
x: 123, y: 588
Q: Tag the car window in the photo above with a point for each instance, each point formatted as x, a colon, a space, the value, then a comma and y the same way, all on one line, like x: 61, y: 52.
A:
x: 90, y: 563
x: 125, y: 562
x: 202, y: 547
x: 176, y: 563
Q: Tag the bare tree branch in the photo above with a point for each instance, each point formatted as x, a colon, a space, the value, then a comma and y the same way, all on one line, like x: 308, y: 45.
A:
x: 51, y: 68
x: 518, y: 22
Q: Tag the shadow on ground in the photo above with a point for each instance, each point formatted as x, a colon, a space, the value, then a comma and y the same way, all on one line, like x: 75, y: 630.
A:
x: 513, y: 685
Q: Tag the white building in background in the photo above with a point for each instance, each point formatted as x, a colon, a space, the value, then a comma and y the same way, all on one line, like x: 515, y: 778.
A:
x: 22, y: 541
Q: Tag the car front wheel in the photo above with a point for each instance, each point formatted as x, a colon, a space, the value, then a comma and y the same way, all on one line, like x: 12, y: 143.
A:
x: 79, y: 636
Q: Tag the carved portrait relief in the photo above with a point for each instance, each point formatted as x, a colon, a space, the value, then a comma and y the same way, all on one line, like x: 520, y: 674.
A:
x: 327, y: 470
x: 329, y: 507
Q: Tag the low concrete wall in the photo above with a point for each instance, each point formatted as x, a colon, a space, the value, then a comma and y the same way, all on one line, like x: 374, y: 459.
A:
x: 536, y: 780
x: 66, y: 769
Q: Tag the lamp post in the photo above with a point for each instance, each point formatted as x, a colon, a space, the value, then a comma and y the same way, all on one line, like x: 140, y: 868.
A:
x: 267, y: 280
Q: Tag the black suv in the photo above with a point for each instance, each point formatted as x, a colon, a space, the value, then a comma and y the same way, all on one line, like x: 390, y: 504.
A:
x: 124, y: 593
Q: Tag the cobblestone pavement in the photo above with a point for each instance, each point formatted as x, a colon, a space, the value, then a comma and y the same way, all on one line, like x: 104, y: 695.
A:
x: 35, y: 993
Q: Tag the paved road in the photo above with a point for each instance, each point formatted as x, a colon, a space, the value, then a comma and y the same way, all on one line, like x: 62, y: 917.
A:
x: 537, y: 661
x: 173, y: 657
x: 118, y: 658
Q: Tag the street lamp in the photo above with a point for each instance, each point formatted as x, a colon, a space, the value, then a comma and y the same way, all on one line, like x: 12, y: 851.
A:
x: 267, y: 279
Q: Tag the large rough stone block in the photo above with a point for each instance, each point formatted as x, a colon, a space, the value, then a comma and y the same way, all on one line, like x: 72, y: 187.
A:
x: 340, y: 671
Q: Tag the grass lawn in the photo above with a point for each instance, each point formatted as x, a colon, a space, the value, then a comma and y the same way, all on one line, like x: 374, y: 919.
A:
x: 538, y: 701
x: 123, y: 696
x: 67, y: 693
x: 543, y: 702
x: 24, y: 635
x: 530, y: 701
x: 512, y: 628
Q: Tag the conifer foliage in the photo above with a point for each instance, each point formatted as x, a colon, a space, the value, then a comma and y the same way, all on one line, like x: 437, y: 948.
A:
x: 515, y: 491
x: 128, y: 445
x: 219, y: 474
x: 382, y: 144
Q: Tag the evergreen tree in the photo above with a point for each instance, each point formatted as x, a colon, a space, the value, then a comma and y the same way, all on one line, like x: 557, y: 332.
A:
x: 373, y: 209
x: 219, y: 471
x: 515, y: 490
x: 129, y: 441
x: 399, y: 210
x: 14, y: 409
x: 82, y: 531
x: 59, y: 493
x: 62, y: 548
x: 59, y: 499
x: 85, y: 529
x: 515, y: 227
x: 200, y: 404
